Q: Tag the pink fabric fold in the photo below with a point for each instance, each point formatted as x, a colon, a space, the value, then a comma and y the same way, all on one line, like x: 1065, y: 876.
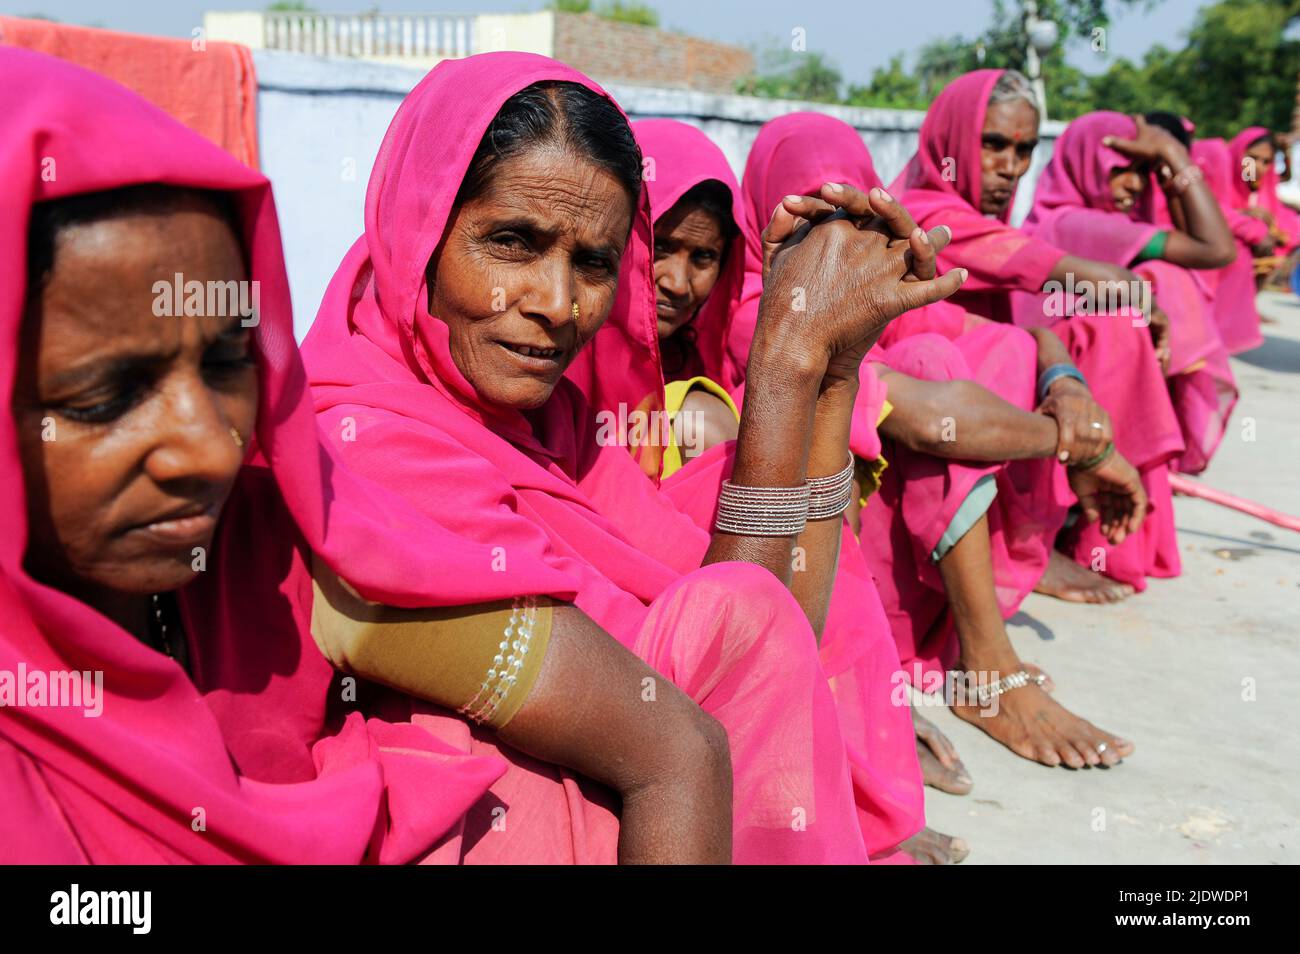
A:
x: 541, y: 489
x: 248, y: 738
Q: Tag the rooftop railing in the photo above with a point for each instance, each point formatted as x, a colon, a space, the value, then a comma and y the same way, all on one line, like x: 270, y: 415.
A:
x: 409, y: 35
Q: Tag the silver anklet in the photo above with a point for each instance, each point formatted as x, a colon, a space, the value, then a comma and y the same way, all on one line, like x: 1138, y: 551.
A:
x: 987, y: 694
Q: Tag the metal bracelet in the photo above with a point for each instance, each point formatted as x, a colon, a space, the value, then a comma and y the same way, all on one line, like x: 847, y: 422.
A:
x: 830, y: 496
x: 1053, y: 374
x: 762, y: 511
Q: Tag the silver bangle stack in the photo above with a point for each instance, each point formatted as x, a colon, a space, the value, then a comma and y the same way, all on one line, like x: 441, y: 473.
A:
x: 831, y: 496
x: 783, y: 511
x: 762, y: 511
x: 987, y: 694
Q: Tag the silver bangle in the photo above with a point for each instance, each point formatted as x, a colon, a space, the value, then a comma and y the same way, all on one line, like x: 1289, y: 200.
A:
x: 762, y: 511
x: 830, y: 496
x: 987, y: 694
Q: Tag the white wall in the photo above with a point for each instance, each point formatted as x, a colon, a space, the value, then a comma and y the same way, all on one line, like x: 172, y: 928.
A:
x: 320, y: 123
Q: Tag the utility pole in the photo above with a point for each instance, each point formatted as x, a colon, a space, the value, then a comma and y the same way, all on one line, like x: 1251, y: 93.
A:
x: 1042, y: 35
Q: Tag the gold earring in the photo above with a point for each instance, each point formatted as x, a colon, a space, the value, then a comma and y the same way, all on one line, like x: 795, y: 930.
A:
x: 234, y: 435
x: 576, y: 313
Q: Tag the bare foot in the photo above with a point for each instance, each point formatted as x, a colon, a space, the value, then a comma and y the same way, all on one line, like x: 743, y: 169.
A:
x: 929, y: 847
x: 1068, y: 581
x: 1035, y: 726
x: 940, y: 766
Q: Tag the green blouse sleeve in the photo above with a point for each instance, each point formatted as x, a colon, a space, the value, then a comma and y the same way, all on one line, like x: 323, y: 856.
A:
x: 1153, y: 250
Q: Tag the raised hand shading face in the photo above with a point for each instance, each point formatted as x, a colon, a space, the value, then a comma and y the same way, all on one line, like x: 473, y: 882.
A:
x: 546, y: 234
x: 689, y: 249
x: 125, y: 417
x: 1007, y: 144
x: 1127, y: 185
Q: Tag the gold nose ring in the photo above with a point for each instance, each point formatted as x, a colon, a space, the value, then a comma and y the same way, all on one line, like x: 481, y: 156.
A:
x: 234, y: 435
x: 575, y: 312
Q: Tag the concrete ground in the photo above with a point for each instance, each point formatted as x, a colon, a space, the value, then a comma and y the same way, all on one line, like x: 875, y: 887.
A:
x: 1202, y: 673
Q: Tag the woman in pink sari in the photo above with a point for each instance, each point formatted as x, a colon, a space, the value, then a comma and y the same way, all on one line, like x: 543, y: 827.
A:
x: 1093, y: 200
x: 456, y: 360
x: 1254, y: 185
x: 1235, y: 311
x: 954, y: 538
x: 976, y: 143
x: 192, y: 723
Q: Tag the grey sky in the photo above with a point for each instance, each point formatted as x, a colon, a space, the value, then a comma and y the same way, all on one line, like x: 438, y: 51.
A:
x: 855, y: 36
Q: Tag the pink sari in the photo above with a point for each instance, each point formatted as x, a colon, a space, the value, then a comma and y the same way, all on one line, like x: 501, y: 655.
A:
x: 1265, y: 197
x: 541, y: 488
x: 1072, y: 210
x: 942, y: 184
x: 857, y: 653
x: 247, y: 738
x: 1235, y: 312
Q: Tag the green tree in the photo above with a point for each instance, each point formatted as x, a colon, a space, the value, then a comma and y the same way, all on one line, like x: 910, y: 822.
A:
x: 787, y: 74
x: 641, y: 14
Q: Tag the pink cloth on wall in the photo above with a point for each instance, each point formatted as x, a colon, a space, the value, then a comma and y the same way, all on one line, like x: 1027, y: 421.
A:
x: 541, y: 488
x: 247, y: 738
x: 212, y: 90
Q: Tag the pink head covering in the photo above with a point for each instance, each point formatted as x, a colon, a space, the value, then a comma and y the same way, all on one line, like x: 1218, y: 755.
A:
x: 1073, y: 209
x: 943, y: 184
x: 124, y: 787
x: 682, y: 158
x: 947, y: 160
x: 794, y: 155
x: 404, y: 215
x: 375, y: 344
x: 1266, y: 178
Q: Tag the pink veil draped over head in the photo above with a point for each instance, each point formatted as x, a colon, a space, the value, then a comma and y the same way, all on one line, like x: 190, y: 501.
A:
x: 247, y: 740
x: 942, y: 184
x: 682, y: 157
x: 545, y: 486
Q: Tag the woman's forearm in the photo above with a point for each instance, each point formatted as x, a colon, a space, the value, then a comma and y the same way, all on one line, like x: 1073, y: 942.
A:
x: 818, y: 547
x: 776, y: 430
x: 1205, y: 241
x: 964, y: 421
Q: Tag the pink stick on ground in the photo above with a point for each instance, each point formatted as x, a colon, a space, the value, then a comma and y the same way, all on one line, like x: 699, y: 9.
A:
x: 1188, y: 487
